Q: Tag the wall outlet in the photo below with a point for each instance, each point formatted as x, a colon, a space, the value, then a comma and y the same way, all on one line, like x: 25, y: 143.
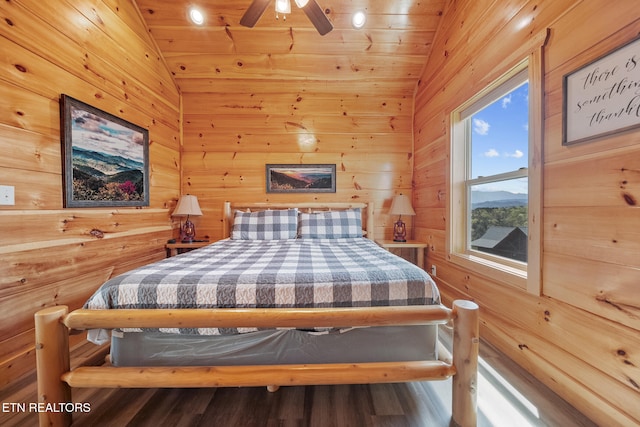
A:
x: 433, y: 270
x: 7, y: 195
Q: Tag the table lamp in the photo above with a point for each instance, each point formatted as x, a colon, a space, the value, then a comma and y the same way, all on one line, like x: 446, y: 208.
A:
x: 401, y: 205
x: 187, y: 206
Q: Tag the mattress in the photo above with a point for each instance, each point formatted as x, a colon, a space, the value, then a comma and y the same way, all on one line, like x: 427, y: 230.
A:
x: 269, y: 347
x: 293, y: 273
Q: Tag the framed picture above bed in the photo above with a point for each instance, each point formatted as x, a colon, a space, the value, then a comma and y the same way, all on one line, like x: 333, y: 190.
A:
x: 296, y: 178
x: 105, y: 158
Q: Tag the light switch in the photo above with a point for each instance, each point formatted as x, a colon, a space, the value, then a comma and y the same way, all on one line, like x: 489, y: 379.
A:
x: 7, y: 195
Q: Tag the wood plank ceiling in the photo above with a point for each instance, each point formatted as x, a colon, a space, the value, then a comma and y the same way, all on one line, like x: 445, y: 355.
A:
x: 389, y: 52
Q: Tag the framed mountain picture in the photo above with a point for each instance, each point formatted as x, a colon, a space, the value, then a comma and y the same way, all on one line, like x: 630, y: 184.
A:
x: 295, y: 178
x: 105, y: 158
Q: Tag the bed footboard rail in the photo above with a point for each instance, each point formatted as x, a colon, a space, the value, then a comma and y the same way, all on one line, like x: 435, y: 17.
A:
x: 55, y: 378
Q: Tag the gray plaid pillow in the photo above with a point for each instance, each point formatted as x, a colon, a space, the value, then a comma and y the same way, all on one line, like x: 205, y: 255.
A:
x: 331, y: 224
x: 265, y: 225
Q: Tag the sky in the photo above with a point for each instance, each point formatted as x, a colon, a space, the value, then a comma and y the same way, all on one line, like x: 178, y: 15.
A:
x: 104, y: 136
x: 500, y: 138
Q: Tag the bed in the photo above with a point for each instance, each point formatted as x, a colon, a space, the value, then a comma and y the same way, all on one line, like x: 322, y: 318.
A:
x: 296, y: 295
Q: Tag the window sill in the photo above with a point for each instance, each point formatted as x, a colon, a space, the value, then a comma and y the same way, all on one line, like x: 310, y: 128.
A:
x: 496, y: 271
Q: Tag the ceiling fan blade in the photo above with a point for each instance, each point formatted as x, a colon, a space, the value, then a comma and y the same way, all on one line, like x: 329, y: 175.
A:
x: 254, y: 12
x: 317, y: 17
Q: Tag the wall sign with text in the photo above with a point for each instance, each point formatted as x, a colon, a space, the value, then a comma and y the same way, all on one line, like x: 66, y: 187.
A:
x: 603, y: 97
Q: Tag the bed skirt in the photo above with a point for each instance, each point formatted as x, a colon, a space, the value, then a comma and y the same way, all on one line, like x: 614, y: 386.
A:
x: 271, y: 347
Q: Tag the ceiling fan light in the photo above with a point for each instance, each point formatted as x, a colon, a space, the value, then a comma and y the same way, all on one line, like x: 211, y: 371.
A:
x: 301, y: 3
x: 196, y: 16
x: 283, y: 6
x: 358, y: 20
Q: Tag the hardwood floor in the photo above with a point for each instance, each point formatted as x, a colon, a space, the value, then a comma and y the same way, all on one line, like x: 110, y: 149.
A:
x: 416, y: 404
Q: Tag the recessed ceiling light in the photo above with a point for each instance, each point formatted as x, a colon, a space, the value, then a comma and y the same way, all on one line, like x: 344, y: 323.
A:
x: 358, y: 20
x: 196, y: 16
x: 283, y: 6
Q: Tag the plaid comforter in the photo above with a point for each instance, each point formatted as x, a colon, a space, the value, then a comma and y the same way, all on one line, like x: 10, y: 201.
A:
x: 350, y: 272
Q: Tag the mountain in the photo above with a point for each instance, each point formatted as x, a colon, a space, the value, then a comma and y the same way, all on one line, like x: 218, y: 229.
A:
x: 93, y: 172
x: 322, y: 182
x: 500, y: 204
x: 497, y: 199
x: 135, y: 176
x: 88, y: 171
x: 280, y: 180
x: 106, y: 164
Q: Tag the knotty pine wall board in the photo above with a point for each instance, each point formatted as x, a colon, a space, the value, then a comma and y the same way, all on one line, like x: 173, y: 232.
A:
x: 100, y: 53
x: 581, y: 335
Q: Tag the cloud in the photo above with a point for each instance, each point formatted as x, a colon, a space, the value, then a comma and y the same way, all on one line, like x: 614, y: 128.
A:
x: 491, y: 153
x: 516, y: 154
x: 481, y: 127
x: 506, y: 101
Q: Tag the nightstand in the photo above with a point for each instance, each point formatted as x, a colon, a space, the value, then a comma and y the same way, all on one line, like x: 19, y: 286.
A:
x: 409, y: 244
x: 179, y: 247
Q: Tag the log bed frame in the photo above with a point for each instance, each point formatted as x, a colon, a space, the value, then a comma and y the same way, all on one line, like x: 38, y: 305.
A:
x: 54, y: 324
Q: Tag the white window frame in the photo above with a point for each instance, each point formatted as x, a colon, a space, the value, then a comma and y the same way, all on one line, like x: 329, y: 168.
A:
x: 525, y: 276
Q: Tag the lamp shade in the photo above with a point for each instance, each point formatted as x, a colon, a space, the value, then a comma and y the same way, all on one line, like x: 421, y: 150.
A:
x: 401, y: 205
x: 187, y: 205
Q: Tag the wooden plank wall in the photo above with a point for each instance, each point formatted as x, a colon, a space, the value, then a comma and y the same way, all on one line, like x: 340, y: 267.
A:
x: 98, y: 52
x: 582, y: 336
x: 233, y: 128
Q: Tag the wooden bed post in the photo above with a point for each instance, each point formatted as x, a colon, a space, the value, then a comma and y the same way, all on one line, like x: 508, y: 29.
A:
x: 226, y: 220
x: 466, y: 343
x: 52, y: 360
x: 370, y: 218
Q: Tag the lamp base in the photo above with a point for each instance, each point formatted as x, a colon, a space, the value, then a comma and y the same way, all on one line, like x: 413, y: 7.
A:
x: 188, y: 231
x: 399, y: 231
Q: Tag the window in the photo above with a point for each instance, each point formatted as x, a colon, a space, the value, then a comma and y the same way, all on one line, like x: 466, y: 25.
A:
x: 494, y: 200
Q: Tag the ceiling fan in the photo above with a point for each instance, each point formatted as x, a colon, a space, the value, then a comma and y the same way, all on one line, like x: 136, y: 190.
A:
x: 310, y: 7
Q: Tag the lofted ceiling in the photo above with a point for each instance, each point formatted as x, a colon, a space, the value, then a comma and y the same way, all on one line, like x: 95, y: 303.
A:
x: 391, y: 50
